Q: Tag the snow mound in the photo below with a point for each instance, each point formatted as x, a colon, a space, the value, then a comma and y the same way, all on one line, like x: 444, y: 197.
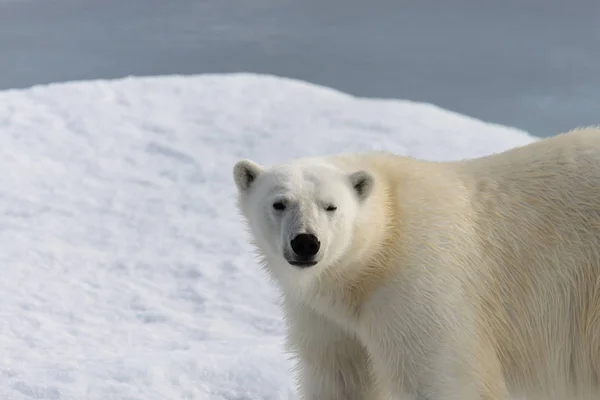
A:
x: 125, y: 268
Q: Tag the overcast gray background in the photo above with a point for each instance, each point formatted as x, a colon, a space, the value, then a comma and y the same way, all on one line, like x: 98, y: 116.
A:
x: 530, y: 64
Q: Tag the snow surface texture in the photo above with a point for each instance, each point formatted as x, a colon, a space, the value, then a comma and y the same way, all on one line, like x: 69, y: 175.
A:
x: 126, y: 273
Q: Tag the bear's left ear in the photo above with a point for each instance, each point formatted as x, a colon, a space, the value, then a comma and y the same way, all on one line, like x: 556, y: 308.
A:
x: 244, y: 173
x: 362, y: 183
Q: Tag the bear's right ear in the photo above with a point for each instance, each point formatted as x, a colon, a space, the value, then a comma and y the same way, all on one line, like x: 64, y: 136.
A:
x: 362, y: 183
x: 244, y: 173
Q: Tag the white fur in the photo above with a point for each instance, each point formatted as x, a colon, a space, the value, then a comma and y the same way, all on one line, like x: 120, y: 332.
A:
x: 460, y: 280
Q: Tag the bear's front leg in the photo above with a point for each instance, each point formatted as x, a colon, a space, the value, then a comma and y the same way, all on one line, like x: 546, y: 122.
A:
x: 332, y: 365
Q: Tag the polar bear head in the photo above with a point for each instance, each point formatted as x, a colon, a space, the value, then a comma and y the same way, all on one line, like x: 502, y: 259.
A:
x: 302, y: 215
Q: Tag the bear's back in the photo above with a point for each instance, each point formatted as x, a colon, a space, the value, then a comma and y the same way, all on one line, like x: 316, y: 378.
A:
x: 537, y: 217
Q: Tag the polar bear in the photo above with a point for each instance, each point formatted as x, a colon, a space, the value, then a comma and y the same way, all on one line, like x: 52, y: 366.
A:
x: 417, y: 280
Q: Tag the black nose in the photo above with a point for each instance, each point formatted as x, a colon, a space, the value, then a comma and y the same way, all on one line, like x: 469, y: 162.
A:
x: 305, y: 245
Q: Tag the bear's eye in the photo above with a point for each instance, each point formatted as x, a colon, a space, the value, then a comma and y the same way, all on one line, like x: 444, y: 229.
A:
x: 279, y: 206
x: 330, y: 208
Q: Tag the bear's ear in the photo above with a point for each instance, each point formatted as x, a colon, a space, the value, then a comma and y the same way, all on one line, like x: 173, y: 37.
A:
x: 244, y: 173
x: 362, y: 183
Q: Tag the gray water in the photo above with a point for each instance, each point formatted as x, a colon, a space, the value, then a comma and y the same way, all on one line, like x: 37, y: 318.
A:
x: 530, y: 64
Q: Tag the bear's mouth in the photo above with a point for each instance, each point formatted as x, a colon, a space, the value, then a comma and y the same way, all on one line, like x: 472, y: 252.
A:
x: 302, y: 263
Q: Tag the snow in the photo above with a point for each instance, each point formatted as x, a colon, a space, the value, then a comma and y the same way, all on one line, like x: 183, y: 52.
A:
x: 125, y: 268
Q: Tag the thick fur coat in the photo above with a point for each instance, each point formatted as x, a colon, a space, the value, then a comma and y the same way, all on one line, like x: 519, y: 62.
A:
x: 466, y: 280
